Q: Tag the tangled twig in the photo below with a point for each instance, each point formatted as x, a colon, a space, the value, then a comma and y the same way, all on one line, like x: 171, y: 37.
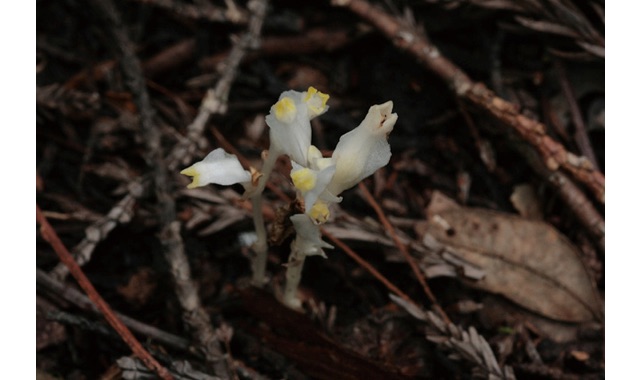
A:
x: 122, y: 212
x: 554, y: 155
x: 70, y: 294
x: 403, y: 249
x: 463, y: 344
x: 173, y: 248
x: 202, y: 10
x: 50, y: 235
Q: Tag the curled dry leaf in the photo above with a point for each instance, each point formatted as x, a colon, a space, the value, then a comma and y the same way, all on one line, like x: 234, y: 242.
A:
x: 527, y: 261
x: 524, y: 200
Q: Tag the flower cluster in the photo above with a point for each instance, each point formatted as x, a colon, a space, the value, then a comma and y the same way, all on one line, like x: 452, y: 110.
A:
x: 319, y: 180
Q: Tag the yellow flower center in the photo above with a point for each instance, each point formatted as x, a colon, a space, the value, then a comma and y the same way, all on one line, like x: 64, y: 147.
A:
x: 319, y: 212
x: 191, y: 171
x: 304, y: 179
x: 316, y: 100
x: 285, y: 110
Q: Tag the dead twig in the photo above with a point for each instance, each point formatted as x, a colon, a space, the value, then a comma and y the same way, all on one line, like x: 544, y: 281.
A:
x: 403, y: 249
x: 69, y: 294
x: 49, y: 234
x: 138, y: 187
x: 581, y: 206
x: 182, y: 370
x: 203, y: 10
x: 581, y: 138
x: 312, y: 41
x: 368, y: 267
x: 554, y: 155
x: 215, y: 101
x: 462, y: 344
x: 122, y: 212
x: 169, y: 236
x: 559, y: 17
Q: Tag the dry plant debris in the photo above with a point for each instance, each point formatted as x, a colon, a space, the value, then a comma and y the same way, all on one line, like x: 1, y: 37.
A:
x: 527, y: 261
x: 477, y: 252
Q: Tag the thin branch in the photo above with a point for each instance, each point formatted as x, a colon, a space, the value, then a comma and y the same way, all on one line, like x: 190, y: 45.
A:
x: 581, y: 137
x: 171, y: 240
x: 463, y: 344
x: 203, y: 10
x: 69, y: 294
x: 554, y: 155
x: 215, y: 101
x: 122, y: 212
x: 184, y: 150
x: 182, y: 370
x: 368, y: 267
x: 581, y: 206
x: 49, y: 234
x: 403, y: 249
x: 194, y: 314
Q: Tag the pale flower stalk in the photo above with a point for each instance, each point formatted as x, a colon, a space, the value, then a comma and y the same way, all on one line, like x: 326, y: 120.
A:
x: 319, y: 180
x: 359, y: 154
x: 306, y: 243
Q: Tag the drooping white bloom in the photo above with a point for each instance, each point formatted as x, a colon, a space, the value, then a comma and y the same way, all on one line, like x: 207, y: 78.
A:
x: 218, y: 167
x: 289, y: 122
x: 364, y: 150
x: 307, y: 241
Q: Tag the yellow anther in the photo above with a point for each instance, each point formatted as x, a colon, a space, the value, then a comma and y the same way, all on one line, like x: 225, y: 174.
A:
x: 192, y: 172
x: 285, y: 110
x: 316, y: 100
x: 304, y: 179
x: 319, y: 212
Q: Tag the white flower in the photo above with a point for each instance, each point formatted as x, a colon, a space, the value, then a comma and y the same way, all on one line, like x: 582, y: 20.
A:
x: 364, y: 150
x: 307, y: 241
x: 218, y: 167
x: 289, y: 122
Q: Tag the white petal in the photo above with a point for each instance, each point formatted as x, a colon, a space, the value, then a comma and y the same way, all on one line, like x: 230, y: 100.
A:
x: 291, y: 135
x: 322, y: 180
x: 308, y: 239
x: 218, y: 167
x: 364, y: 150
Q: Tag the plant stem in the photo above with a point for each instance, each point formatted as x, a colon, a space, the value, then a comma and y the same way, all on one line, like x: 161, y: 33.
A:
x: 260, y: 247
x: 293, y: 276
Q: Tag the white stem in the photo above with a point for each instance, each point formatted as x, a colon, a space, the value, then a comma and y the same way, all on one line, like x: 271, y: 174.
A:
x: 260, y: 247
x: 293, y: 276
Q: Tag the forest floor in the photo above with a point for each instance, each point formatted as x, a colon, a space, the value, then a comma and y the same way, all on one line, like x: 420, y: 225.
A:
x: 477, y: 252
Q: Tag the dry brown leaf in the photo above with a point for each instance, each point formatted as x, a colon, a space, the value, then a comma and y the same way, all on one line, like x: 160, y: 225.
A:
x: 524, y: 200
x: 527, y: 261
x: 496, y: 311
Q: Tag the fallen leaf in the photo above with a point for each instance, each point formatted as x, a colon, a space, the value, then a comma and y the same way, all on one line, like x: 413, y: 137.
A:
x: 524, y: 200
x: 497, y: 311
x: 529, y: 262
